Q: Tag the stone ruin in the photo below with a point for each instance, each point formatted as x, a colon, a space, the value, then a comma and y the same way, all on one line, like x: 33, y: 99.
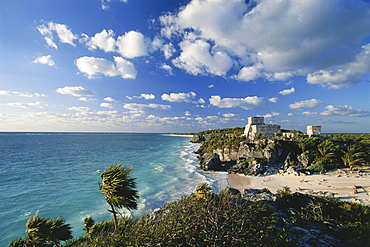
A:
x: 256, y: 125
x: 313, y: 130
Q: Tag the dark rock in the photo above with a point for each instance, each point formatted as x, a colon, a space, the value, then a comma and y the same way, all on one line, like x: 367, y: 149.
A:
x: 198, y: 139
x: 231, y: 191
x: 211, y: 162
x: 255, y: 195
x: 305, y: 159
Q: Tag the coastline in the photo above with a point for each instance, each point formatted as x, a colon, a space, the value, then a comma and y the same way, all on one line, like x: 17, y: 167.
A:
x: 340, y: 182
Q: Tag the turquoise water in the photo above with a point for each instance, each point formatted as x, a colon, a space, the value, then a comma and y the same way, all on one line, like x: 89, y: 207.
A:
x: 59, y: 174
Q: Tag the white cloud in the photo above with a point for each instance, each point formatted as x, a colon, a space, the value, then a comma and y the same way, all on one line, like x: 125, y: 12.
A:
x: 79, y: 108
x: 77, y: 91
x: 288, y: 37
x: 44, y: 60
x: 197, y: 58
x: 344, y: 110
x: 132, y: 44
x: 167, y: 68
x: 64, y: 34
x: 287, y: 91
x: 107, y: 105
x: 109, y: 99
x: 311, y: 103
x: 86, y: 99
x: 92, y: 66
x: 179, y: 97
x: 146, y: 96
x: 37, y: 104
x: 250, y: 73
x: 273, y: 100
x: 246, y: 103
x: 105, y: 3
x: 21, y: 94
x: 211, y: 86
x: 136, y: 107
x: 201, y: 101
x: 272, y: 114
x: 168, y: 50
x: 230, y: 115
x: 103, y: 40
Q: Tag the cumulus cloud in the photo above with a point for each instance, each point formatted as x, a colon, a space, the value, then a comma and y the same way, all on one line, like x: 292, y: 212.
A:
x: 179, y: 97
x: 142, y: 107
x: 92, y: 67
x: 230, y: 115
x: 77, y: 91
x: 287, y: 91
x: 64, y: 34
x: 288, y: 37
x: 246, y: 103
x: 103, y: 40
x: 273, y: 100
x: 250, y: 73
x: 44, y: 60
x: 304, y: 104
x: 197, y: 58
x: 132, y: 44
x: 107, y: 105
x: 344, y: 110
x: 146, y: 96
x: 37, y: 104
x: 272, y: 114
x: 167, y: 68
x: 79, y: 108
x: 21, y: 94
x: 110, y: 99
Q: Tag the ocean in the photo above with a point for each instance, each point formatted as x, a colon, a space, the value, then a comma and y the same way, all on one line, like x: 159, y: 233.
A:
x: 58, y: 174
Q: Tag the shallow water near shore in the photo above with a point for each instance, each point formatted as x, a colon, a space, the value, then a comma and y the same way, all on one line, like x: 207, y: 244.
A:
x: 59, y: 174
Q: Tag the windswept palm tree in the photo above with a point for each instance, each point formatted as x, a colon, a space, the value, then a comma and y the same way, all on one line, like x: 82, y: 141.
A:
x: 355, y: 155
x: 44, y: 232
x: 203, y: 189
x: 119, y: 189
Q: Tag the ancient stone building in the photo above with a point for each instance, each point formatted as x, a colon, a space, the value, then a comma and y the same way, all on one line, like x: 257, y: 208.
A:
x: 256, y: 125
x: 313, y: 130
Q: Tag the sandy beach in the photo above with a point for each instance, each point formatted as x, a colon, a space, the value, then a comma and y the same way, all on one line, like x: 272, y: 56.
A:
x: 340, y: 182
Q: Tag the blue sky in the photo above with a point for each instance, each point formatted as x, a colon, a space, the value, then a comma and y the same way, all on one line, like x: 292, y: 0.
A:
x: 183, y: 66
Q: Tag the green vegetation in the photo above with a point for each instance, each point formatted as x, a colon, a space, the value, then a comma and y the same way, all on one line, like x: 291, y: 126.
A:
x: 44, y: 232
x: 221, y: 138
x: 221, y: 220
x: 119, y: 189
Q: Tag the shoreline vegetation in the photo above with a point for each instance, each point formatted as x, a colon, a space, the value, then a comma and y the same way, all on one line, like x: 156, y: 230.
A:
x: 301, y: 191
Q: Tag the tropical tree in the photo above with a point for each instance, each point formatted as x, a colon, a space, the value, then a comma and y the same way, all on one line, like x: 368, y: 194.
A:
x: 308, y: 144
x: 203, y: 189
x: 355, y: 155
x: 119, y: 189
x: 44, y: 232
x: 328, y: 152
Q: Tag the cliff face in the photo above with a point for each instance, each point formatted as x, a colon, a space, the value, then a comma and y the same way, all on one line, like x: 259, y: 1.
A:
x: 247, y: 157
x: 272, y: 151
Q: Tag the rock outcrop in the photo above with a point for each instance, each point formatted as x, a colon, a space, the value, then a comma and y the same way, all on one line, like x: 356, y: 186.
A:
x: 211, y: 162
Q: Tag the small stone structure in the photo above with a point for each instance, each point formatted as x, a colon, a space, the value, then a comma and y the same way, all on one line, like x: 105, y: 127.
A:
x: 256, y: 125
x: 313, y: 130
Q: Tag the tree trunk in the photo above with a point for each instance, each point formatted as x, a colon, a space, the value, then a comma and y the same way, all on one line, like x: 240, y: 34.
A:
x: 114, y: 218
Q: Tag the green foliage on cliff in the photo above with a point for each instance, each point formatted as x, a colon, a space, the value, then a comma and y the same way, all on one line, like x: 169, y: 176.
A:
x: 221, y: 138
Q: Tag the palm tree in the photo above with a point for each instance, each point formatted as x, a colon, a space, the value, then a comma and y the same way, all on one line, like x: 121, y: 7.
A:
x: 355, y: 155
x: 203, y: 189
x: 46, y: 232
x: 119, y: 189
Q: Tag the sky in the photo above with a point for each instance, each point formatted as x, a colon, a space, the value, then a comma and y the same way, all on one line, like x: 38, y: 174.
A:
x: 184, y: 66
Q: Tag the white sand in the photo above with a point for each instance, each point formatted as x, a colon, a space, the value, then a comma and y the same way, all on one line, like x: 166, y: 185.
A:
x: 339, y: 182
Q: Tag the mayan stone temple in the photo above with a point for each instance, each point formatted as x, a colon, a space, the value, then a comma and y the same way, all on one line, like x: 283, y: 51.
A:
x: 256, y: 125
x: 313, y: 130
